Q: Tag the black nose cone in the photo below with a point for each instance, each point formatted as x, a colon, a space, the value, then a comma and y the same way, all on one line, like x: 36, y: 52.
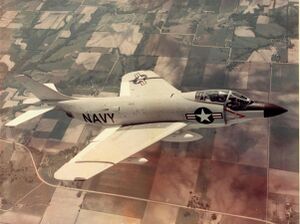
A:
x: 271, y: 110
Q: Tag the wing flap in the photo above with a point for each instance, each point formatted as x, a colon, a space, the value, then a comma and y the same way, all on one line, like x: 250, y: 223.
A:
x: 28, y: 115
x: 126, y: 141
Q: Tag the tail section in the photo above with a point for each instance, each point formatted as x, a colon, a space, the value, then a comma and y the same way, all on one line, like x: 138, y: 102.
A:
x: 43, y: 92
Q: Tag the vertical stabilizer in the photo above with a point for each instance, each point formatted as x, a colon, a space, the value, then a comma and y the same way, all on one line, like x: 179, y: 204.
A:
x: 41, y: 91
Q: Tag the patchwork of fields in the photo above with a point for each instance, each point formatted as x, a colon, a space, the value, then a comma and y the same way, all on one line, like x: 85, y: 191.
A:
x: 86, y: 46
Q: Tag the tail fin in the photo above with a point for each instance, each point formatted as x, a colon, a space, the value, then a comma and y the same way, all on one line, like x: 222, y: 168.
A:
x: 41, y: 91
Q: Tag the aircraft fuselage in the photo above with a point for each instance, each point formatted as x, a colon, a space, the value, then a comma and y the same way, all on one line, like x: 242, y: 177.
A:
x: 136, y: 110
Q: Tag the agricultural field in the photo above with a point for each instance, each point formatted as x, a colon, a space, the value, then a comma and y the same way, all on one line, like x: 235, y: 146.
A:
x: 245, y: 173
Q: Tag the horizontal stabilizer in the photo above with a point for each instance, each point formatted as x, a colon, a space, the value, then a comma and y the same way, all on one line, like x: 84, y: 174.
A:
x: 30, y: 101
x: 28, y: 116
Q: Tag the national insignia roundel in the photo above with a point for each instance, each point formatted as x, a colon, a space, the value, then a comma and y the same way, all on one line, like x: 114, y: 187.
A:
x: 204, y: 115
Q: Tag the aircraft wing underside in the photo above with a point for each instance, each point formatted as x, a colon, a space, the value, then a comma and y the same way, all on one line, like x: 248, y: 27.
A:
x: 113, y: 145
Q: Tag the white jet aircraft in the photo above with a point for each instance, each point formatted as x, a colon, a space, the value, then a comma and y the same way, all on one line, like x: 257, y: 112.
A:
x: 147, y: 110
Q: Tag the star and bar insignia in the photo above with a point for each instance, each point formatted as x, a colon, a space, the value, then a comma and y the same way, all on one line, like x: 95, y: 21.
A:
x: 204, y: 116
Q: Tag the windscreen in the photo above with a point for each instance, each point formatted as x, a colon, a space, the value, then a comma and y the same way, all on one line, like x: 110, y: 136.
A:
x: 237, y: 101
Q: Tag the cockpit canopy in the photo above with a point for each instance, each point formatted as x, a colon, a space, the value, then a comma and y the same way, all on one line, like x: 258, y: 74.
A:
x: 212, y: 95
x: 234, y: 100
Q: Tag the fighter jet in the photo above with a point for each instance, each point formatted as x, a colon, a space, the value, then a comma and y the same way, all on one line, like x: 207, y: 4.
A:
x: 148, y: 109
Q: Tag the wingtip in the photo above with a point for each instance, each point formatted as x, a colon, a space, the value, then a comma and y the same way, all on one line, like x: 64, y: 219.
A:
x: 9, y: 124
x: 65, y: 173
x: 58, y: 175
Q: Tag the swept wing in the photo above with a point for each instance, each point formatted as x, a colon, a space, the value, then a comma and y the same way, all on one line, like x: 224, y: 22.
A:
x: 142, y: 83
x: 113, y: 145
